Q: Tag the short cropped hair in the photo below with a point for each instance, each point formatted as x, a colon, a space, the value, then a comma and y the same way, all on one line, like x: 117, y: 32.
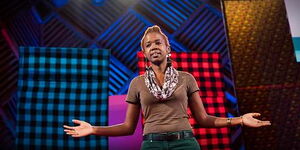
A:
x: 154, y: 29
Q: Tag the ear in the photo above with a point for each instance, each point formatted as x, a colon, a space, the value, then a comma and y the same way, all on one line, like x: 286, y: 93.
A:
x: 144, y: 53
x: 169, y: 49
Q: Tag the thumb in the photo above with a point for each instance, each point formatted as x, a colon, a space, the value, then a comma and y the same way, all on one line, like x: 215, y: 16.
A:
x: 76, y: 121
x: 255, y: 114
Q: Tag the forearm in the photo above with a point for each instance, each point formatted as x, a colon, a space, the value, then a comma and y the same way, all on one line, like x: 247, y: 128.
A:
x: 212, y: 121
x: 126, y: 128
x: 206, y: 120
x: 115, y: 130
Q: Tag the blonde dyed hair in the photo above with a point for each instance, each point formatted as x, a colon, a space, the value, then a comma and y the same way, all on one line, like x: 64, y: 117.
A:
x: 154, y: 29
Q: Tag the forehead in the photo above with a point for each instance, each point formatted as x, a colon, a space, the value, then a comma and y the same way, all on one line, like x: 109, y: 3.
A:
x: 153, y: 36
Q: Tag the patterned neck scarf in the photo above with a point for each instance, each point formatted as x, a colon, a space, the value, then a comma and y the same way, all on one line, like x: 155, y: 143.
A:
x: 170, y: 82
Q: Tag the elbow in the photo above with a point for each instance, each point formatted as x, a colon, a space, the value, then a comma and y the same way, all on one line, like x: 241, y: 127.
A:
x: 203, y: 120
x: 130, y: 129
x: 203, y: 117
x: 131, y: 132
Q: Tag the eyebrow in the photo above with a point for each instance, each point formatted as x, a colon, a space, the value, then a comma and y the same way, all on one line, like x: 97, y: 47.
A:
x: 157, y: 40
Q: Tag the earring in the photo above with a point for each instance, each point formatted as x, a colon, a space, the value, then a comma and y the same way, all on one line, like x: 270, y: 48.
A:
x: 169, y: 60
x: 146, y: 63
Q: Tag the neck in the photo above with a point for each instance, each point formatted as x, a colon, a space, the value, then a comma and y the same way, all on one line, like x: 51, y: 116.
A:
x: 159, y: 68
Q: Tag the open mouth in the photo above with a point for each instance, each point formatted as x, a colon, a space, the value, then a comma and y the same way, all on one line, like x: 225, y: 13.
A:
x: 155, y: 54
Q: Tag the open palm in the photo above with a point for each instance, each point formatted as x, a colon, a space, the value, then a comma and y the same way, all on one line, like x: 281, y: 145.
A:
x: 83, y: 129
x: 250, y: 121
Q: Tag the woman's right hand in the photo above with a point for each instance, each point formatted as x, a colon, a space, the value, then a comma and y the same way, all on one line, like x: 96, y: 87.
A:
x: 83, y: 129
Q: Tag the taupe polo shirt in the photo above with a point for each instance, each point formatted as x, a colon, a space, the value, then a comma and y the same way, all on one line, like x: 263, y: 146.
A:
x: 167, y: 116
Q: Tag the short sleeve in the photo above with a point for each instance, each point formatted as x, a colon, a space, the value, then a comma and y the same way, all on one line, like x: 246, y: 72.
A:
x: 192, y: 85
x: 133, y: 94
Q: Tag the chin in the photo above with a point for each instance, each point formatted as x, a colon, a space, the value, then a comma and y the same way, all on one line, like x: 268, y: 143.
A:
x: 156, y: 62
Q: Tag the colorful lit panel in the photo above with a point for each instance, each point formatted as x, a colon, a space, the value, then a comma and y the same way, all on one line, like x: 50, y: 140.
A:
x: 116, y: 115
x: 55, y: 86
x: 207, y: 70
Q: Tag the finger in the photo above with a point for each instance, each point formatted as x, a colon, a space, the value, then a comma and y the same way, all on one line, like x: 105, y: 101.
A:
x: 266, y: 123
x: 255, y: 114
x: 66, y: 130
x: 262, y: 123
x: 71, y: 132
x: 68, y: 127
x: 77, y: 121
x: 76, y: 135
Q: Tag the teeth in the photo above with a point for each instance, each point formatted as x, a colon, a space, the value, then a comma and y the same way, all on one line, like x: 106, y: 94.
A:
x: 155, y: 54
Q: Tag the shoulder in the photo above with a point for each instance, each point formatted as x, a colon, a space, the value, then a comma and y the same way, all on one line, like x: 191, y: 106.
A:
x: 187, y: 77
x: 137, y: 79
x: 185, y: 74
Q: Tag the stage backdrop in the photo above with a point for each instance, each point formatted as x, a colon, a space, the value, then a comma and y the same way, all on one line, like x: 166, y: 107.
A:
x: 55, y: 86
x: 267, y: 76
x: 118, y: 25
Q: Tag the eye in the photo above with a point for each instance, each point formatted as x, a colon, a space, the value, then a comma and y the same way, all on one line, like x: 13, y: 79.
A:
x: 157, y: 43
x: 148, y: 45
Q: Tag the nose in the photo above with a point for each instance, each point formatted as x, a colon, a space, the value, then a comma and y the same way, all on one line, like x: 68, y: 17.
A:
x: 154, y: 47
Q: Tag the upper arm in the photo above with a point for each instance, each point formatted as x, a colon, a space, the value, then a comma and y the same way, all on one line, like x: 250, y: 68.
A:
x: 133, y: 92
x: 132, y: 116
x: 197, y: 108
x: 133, y: 106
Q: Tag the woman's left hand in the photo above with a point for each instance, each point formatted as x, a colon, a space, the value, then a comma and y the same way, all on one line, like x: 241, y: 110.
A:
x: 250, y: 121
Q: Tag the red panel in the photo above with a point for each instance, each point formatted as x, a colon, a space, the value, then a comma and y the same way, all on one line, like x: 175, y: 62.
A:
x: 206, y: 68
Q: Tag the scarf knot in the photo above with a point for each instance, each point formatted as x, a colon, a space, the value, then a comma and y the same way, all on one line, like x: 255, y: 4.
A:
x: 168, y: 88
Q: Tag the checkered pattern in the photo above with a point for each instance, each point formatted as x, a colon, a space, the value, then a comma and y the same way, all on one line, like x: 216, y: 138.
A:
x: 57, y: 85
x: 206, y: 68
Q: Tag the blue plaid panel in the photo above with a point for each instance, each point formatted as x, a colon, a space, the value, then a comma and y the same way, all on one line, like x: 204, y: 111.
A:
x: 55, y: 86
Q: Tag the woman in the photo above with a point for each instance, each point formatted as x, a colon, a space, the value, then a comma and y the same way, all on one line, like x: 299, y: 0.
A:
x: 163, y: 93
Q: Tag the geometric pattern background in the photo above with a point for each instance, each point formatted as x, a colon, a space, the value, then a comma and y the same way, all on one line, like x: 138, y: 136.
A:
x: 8, y: 95
x: 267, y: 76
x: 206, y: 68
x: 192, y: 26
x: 55, y: 86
